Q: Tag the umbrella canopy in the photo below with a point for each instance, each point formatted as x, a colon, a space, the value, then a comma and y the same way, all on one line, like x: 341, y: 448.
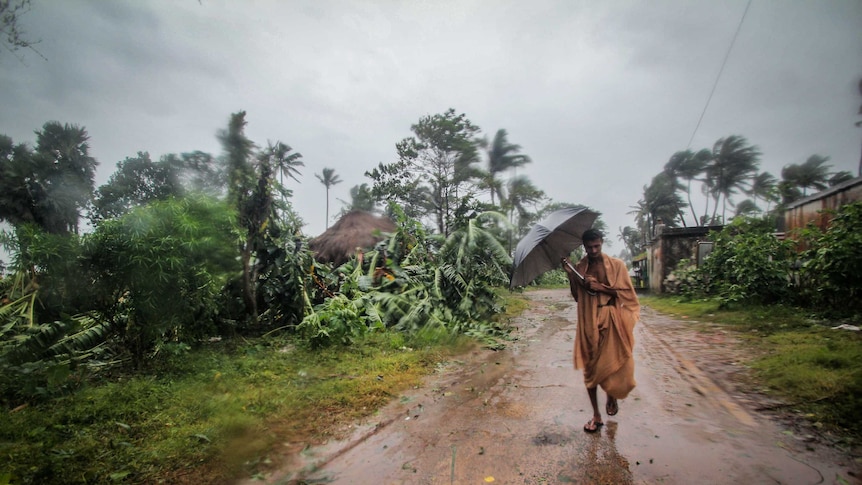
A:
x: 357, y: 229
x: 550, y: 240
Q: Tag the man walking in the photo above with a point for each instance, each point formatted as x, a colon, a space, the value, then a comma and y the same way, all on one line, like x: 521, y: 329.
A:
x: 608, y: 309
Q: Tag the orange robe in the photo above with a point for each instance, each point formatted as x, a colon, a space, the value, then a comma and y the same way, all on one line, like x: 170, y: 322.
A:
x: 605, y: 334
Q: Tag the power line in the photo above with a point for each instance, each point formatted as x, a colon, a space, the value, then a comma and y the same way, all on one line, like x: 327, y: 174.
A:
x: 717, y: 77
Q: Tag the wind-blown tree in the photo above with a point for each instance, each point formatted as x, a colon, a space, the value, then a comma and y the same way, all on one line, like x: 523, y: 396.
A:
x: 522, y: 194
x: 642, y: 220
x: 763, y: 186
x: 328, y: 178
x: 201, y: 172
x: 840, y: 177
x: 435, y: 169
x: 812, y: 174
x: 361, y: 198
x: 733, y: 163
x: 157, y: 272
x: 51, y: 185
x: 278, y: 156
x: 137, y: 181
x: 238, y: 151
x: 251, y: 189
x: 502, y: 156
x: 746, y: 207
x: 688, y: 165
x: 632, y: 239
x: 251, y: 186
x: 661, y: 202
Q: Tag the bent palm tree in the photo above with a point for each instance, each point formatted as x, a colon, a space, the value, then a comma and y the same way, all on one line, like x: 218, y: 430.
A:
x: 502, y: 156
x: 734, y: 162
x: 813, y: 174
x: 688, y: 165
x: 763, y: 186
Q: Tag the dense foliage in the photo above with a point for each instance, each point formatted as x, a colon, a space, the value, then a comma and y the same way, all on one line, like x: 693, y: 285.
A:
x: 815, y: 269
x: 194, y: 247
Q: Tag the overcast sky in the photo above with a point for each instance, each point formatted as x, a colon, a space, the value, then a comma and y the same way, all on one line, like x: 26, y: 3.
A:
x: 598, y: 93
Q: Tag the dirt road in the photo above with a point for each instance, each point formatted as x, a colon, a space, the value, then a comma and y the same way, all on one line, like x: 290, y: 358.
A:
x: 516, y: 416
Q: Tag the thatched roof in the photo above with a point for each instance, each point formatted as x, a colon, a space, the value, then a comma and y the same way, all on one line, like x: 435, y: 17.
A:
x: 356, y: 229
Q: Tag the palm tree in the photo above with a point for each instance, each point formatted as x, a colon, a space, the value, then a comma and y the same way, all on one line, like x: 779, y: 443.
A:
x: 839, y: 177
x: 763, y: 186
x: 813, y: 174
x: 733, y: 163
x: 746, y: 207
x: 642, y: 222
x: 688, y: 165
x: 284, y: 161
x: 328, y: 179
x: 521, y: 193
x: 662, y: 201
x: 68, y: 183
x: 502, y: 156
x: 361, y: 198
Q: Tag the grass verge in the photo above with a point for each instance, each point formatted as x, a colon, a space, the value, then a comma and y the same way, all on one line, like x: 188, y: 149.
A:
x: 814, y: 368
x: 212, y: 414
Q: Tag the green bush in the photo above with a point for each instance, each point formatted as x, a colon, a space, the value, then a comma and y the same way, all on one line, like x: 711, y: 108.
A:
x: 830, y: 277
x: 158, y: 271
x: 748, y: 264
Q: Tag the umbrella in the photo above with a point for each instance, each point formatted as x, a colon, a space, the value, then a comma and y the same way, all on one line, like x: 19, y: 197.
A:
x: 550, y: 240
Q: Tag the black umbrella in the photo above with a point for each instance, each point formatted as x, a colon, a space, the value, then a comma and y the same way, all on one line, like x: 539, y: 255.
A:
x: 550, y: 240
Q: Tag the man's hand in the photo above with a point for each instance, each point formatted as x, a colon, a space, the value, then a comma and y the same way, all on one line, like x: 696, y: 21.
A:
x: 593, y: 284
x: 570, y: 271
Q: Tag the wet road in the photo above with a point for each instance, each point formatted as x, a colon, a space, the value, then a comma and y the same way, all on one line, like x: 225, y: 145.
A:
x: 517, y: 416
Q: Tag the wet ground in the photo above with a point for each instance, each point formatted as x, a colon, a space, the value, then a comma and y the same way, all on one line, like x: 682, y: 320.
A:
x: 517, y: 416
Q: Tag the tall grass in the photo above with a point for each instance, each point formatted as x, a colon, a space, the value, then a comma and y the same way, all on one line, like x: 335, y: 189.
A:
x: 213, y: 414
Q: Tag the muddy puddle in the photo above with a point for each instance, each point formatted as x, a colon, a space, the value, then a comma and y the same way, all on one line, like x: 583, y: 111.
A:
x: 517, y: 416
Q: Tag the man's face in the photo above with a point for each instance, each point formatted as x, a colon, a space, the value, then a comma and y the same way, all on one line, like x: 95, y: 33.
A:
x: 593, y: 248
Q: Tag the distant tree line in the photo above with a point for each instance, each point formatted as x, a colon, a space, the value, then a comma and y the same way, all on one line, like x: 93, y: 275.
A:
x: 729, y: 170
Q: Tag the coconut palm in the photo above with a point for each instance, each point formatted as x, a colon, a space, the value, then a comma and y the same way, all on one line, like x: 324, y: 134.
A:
x: 661, y: 201
x: 502, y: 156
x: 763, y: 186
x: 328, y: 179
x: 746, y: 207
x: 283, y: 161
x: 688, y: 165
x: 813, y: 174
x: 733, y: 163
x: 361, y: 198
x: 522, y: 192
x: 840, y: 177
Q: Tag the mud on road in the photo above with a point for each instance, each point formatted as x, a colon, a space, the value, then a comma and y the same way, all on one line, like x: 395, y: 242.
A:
x: 517, y: 416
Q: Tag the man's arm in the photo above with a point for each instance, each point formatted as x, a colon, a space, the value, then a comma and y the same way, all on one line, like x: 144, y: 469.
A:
x: 574, y: 281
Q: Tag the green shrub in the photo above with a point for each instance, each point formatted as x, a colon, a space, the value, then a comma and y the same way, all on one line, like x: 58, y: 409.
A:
x: 830, y: 276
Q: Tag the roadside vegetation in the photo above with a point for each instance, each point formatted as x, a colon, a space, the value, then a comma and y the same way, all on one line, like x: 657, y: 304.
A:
x: 798, y: 300
x: 224, y: 410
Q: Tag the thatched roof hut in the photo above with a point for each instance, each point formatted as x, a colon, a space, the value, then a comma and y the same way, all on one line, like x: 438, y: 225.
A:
x: 356, y: 229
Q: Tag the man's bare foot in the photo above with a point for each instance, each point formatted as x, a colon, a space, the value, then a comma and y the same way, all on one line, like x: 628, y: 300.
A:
x: 593, y: 425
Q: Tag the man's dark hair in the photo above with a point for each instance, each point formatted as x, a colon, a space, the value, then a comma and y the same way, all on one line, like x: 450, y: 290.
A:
x: 592, y: 235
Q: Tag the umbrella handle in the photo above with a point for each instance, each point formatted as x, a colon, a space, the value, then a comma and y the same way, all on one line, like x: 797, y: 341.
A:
x: 579, y: 275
